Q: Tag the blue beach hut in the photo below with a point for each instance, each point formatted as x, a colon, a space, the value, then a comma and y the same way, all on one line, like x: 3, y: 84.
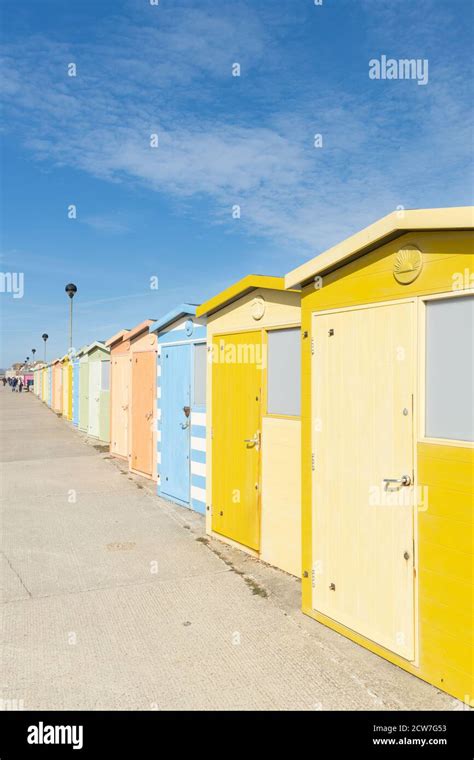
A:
x: 181, y: 407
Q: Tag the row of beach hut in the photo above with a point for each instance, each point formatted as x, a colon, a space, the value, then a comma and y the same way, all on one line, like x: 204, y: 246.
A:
x: 321, y: 422
x: 58, y: 382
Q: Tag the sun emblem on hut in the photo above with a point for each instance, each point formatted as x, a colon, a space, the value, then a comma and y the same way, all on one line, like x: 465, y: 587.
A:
x: 257, y: 307
x: 408, y: 264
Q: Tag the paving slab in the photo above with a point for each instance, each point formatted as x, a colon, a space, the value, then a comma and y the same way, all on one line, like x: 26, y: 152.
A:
x: 113, y: 598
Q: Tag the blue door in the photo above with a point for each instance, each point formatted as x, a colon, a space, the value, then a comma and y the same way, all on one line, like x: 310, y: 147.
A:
x: 175, y: 403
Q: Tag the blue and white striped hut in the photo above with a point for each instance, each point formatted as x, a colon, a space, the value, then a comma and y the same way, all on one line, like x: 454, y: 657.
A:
x: 181, y: 407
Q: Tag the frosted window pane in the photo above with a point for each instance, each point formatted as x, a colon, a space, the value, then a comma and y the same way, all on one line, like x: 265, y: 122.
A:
x: 449, y: 368
x: 105, y: 375
x: 284, y: 372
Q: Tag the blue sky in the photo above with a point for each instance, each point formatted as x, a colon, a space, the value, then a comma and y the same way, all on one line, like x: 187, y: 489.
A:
x: 166, y: 212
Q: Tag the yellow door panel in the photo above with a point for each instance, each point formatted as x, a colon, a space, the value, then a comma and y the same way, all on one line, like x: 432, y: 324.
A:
x: 363, y: 382
x: 447, y: 473
x: 448, y: 620
x: 438, y: 558
x: 236, y: 433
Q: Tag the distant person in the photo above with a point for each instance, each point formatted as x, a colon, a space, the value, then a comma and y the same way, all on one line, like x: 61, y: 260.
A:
x: 4, y: 381
x: 13, y: 384
x: 20, y: 386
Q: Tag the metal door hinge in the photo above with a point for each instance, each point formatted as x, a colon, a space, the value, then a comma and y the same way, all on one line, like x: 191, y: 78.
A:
x: 312, y: 346
x: 313, y: 578
x: 313, y: 462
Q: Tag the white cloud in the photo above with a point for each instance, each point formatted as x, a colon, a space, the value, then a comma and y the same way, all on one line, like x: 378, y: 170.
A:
x: 379, y: 150
x: 106, y: 223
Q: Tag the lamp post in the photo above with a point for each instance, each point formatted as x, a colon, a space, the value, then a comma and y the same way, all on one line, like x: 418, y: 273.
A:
x: 33, y: 351
x: 45, y: 337
x: 71, y: 290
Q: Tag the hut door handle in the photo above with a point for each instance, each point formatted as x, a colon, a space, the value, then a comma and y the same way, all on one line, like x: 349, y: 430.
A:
x: 255, y: 441
x: 184, y: 425
x: 405, y: 480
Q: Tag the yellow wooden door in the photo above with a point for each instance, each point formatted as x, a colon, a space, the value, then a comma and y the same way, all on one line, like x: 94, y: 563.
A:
x: 236, y: 435
x: 362, y: 423
x: 65, y: 389
x: 58, y: 388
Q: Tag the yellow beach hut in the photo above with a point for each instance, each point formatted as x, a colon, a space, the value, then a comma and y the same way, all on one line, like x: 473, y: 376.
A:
x: 253, y: 419
x: 42, y: 384
x: 57, y: 392
x: 48, y: 385
x: 387, y: 441
x: 66, y: 368
x: 37, y: 377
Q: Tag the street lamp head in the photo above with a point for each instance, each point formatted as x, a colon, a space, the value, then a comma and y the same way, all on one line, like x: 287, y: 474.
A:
x: 45, y: 337
x: 33, y: 351
x: 71, y: 289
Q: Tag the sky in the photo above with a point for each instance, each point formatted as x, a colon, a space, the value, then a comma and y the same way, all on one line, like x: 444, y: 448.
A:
x: 238, y: 182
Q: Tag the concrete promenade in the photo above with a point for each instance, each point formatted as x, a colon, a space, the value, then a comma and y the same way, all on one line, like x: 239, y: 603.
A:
x: 115, y: 599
